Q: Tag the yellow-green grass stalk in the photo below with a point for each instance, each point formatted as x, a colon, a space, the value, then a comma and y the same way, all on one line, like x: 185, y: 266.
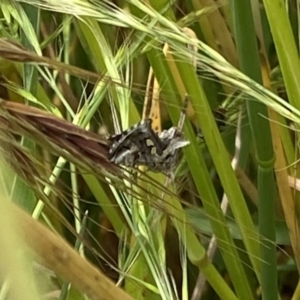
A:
x: 15, y: 259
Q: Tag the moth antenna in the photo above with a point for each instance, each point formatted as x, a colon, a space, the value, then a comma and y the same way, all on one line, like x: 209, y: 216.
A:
x: 148, y: 96
x: 183, y: 113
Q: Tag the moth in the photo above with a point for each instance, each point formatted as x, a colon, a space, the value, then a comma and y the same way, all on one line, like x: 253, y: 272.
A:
x: 141, y: 146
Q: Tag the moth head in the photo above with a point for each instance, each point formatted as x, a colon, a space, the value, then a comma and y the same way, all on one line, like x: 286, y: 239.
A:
x: 173, y: 138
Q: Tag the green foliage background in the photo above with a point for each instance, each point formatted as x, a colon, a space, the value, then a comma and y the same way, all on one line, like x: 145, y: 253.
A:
x: 226, y: 226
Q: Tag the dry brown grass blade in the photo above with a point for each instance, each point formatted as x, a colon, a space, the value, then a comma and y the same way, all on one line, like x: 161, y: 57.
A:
x: 56, y: 134
x: 54, y: 253
x: 13, y: 51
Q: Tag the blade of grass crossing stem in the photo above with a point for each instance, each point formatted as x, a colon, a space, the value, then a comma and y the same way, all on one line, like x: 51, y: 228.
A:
x: 221, y: 161
x: 261, y: 134
x: 220, y: 158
